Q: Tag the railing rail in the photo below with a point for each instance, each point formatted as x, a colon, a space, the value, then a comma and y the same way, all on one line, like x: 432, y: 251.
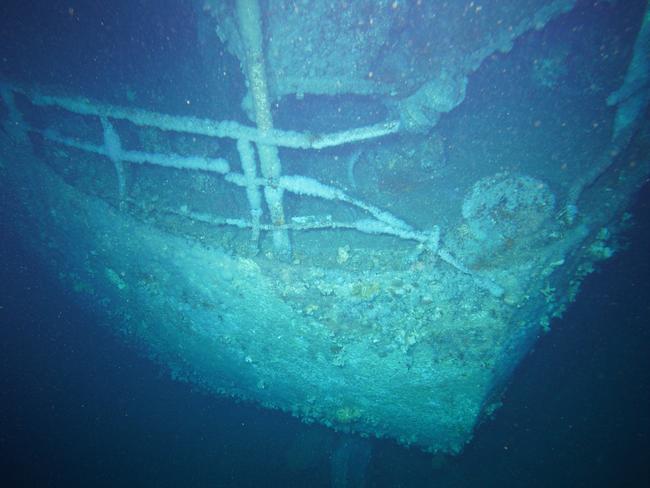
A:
x: 378, y: 221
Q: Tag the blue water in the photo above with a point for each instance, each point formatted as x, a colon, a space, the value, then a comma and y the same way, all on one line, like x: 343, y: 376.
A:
x: 81, y: 408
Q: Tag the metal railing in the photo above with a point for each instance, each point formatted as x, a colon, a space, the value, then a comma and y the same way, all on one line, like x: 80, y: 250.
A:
x: 378, y: 221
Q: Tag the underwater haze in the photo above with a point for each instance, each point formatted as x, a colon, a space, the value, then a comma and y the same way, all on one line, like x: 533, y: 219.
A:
x: 325, y: 244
